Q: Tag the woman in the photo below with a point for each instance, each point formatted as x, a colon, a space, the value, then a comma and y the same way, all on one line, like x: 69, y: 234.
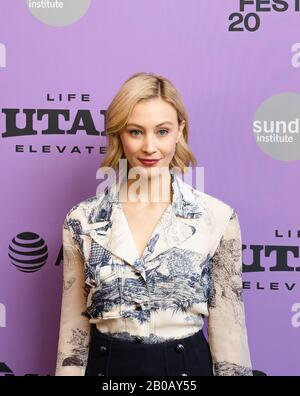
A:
x: 141, y: 274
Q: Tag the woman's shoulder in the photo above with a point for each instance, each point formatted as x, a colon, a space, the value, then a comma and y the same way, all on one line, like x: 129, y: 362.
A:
x: 201, y: 201
x: 214, y: 205
x: 220, y: 217
x: 84, y: 209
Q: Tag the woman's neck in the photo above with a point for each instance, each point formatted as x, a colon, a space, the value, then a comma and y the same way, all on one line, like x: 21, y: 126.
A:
x: 148, y: 191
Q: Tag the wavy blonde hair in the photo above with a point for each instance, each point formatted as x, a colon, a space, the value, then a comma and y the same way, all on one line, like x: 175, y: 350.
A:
x: 137, y: 87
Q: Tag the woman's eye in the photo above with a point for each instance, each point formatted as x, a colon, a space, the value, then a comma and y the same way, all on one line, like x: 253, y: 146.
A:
x: 134, y: 130
x: 164, y: 130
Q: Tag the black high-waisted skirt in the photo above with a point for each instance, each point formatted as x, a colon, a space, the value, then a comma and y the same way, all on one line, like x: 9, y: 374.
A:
x: 111, y: 356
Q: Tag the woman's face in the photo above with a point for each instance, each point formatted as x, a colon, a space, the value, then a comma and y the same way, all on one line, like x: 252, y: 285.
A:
x: 151, y: 132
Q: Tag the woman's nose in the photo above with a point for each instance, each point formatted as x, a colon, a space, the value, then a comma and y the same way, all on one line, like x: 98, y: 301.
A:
x: 149, y: 145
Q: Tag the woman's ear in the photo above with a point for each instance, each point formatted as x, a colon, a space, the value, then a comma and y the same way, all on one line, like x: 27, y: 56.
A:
x: 181, y: 127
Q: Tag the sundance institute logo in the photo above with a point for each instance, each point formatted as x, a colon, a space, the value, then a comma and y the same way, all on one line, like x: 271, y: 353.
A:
x: 276, y: 126
x: 58, y: 12
x: 28, y: 252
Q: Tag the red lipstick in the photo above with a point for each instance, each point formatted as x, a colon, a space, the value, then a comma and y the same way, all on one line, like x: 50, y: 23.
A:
x: 148, y: 162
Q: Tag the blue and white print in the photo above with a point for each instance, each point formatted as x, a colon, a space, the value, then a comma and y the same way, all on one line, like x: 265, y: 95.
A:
x: 191, y: 269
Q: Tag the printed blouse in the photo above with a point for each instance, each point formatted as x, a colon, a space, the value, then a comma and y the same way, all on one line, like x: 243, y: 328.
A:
x: 190, y: 270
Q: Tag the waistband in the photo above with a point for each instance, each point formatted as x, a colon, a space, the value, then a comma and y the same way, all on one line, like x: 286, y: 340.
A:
x: 97, y: 337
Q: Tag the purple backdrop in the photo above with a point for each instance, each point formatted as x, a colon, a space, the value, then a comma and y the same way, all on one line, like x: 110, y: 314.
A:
x: 223, y: 78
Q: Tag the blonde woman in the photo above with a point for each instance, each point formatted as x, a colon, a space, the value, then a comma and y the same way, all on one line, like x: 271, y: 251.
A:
x: 141, y: 273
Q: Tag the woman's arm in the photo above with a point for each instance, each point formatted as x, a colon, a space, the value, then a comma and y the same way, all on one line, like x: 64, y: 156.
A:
x: 227, y: 330
x: 74, y: 334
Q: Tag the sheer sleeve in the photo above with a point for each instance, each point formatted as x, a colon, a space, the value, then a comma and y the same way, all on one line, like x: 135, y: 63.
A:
x: 74, y: 333
x: 227, y: 332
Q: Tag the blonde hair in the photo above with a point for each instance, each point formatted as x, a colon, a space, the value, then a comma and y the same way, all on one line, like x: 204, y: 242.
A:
x: 137, y: 87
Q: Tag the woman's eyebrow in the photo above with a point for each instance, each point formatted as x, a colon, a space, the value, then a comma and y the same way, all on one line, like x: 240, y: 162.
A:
x: 140, y: 126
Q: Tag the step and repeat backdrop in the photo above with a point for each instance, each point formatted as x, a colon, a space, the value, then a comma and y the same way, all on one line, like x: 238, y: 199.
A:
x: 236, y: 64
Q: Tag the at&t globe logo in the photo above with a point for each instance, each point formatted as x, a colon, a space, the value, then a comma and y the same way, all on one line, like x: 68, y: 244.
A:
x: 28, y: 252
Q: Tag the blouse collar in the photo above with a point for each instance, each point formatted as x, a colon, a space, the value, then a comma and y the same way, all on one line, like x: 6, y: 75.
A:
x: 185, y: 203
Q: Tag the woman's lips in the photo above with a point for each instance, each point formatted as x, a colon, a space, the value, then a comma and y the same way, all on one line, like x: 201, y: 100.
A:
x: 148, y: 162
